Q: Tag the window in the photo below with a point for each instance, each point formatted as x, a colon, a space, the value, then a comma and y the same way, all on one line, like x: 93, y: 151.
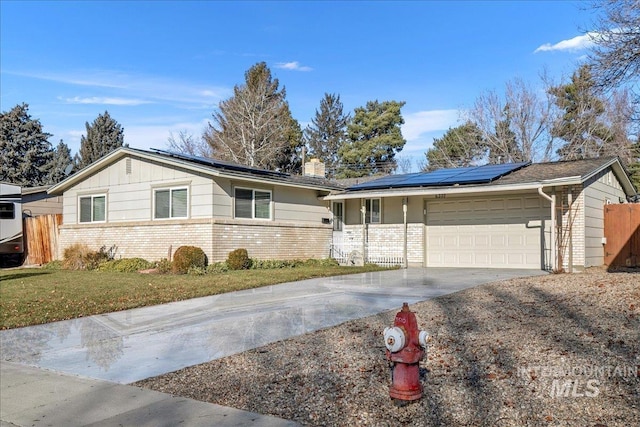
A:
x: 7, y: 211
x: 372, y: 215
x: 93, y: 208
x: 338, y: 216
x: 171, y: 203
x: 255, y: 204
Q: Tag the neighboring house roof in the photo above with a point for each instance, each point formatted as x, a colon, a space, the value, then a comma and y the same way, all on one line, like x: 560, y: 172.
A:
x: 201, y: 165
x: 529, y: 176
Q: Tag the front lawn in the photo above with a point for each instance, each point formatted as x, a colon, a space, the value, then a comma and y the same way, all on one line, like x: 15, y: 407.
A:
x: 35, y: 296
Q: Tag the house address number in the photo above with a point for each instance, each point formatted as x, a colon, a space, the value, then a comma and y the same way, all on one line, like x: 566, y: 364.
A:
x: 440, y: 196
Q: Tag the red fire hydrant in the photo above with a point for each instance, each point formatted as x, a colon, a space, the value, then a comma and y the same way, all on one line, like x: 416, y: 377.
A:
x: 406, y: 346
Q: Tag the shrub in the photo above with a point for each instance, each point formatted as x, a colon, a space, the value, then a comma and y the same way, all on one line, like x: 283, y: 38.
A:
x: 126, y: 265
x: 239, y: 260
x: 217, y: 267
x: 79, y: 257
x: 186, y: 257
x: 163, y: 266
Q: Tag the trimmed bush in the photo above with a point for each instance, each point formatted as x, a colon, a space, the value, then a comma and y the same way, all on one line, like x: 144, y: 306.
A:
x: 186, y: 257
x: 239, y: 260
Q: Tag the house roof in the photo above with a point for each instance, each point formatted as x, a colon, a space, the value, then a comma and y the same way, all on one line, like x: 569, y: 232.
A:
x: 198, y: 164
x: 529, y: 177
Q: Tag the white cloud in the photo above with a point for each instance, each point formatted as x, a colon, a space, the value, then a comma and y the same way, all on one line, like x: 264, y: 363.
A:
x: 105, y: 100
x: 293, y: 66
x: 577, y: 43
x: 417, y: 124
x: 122, y: 86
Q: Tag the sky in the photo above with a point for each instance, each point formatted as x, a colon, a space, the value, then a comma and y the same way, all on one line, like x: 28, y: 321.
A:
x: 161, y: 67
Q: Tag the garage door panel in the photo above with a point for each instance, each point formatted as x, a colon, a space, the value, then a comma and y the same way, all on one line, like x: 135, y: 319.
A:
x: 484, y: 233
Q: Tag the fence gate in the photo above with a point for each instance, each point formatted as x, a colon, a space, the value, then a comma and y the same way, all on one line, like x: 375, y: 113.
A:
x: 622, y: 234
x: 41, y: 238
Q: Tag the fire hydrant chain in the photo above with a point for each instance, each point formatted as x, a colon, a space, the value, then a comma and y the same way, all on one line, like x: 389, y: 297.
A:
x: 406, y: 346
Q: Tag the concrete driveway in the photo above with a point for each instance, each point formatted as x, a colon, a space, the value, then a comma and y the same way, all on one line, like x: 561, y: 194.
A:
x: 131, y: 345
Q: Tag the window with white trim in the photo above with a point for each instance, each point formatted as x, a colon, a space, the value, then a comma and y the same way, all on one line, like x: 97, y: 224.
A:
x: 253, y: 204
x: 171, y: 203
x: 372, y: 214
x: 93, y: 208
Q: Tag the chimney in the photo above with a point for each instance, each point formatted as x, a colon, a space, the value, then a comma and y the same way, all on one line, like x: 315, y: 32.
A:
x: 314, y: 168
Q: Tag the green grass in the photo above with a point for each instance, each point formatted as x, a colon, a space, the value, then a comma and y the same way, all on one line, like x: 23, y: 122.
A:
x: 36, y: 296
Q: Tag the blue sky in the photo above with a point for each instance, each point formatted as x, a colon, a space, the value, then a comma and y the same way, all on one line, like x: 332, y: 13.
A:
x: 163, y: 66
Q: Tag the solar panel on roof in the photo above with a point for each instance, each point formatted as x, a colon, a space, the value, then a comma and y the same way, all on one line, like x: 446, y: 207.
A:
x: 218, y: 163
x: 465, y: 175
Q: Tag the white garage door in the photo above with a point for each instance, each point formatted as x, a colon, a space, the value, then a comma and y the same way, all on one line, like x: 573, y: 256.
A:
x: 496, y: 232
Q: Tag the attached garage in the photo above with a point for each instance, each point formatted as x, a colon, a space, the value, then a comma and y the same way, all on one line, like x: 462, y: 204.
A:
x: 545, y: 216
x: 498, y: 232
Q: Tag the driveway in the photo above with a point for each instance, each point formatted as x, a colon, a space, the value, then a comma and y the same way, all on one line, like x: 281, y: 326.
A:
x: 128, y: 346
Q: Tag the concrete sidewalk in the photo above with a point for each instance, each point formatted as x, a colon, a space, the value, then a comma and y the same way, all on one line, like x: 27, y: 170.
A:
x: 37, y: 397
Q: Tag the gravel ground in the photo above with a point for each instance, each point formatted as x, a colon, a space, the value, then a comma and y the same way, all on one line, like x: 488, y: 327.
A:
x: 551, y: 350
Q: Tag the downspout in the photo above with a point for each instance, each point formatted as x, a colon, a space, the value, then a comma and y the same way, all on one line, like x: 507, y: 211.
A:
x: 404, y: 219
x: 552, y: 199
x: 363, y: 211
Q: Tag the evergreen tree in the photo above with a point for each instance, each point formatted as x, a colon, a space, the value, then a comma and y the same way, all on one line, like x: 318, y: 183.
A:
x: 504, y: 147
x: 255, y: 127
x: 26, y: 154
x: 374, y: 138
x: 103, y: 136
x: 61, y: 162
x: 459, y: 147
x: 327, y: 132
x: 580, y: 123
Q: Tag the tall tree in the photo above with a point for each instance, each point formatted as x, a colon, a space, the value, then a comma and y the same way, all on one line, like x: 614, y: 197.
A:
x: 580, y: 123
x: 374, y: 138
x: 26, y: 154
x: 327, y: 132
x: 187, y: 143
x: 516, y: 127
x: 103, y: 136
x: 255, y: 127
x: 461, y: 146
x: 615, y: 57
x: 62, y: 163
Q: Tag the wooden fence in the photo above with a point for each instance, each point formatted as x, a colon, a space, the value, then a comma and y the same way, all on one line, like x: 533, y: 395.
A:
x: 41, y: 238
x: 622, y: 234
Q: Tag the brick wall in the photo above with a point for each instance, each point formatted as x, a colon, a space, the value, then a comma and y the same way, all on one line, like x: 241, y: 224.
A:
x: 155, y: 240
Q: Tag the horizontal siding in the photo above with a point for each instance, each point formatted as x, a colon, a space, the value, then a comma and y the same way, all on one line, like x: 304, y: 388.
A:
x: 599, y: 189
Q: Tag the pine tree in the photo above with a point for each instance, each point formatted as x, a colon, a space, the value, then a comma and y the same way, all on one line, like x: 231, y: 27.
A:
x: 327, y: 132
x: 459, y: 147
x: 103, y: 136
x: 255, y: 127
x: 504, y: 147
x: 61, y: 163
x: 374, y: 138
x: 26, y: 154
x: 580, y: 123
